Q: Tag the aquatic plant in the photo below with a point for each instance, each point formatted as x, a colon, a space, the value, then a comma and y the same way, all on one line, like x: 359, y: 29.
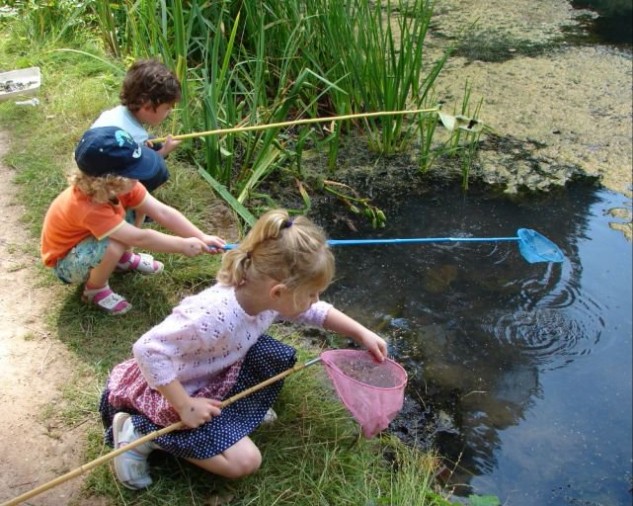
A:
x: 248, y: 62
x: 253, y: 62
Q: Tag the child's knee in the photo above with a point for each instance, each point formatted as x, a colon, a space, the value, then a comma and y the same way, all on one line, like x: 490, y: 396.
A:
x: 238, y: 461
x: 248, y: 462
x: 115, y: 248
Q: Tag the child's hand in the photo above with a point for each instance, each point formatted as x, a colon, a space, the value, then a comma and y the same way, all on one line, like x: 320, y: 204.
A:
x: 169, y: 145
x: 342, y: 324
x: 214, y: 244
x: 198, y: 410
x: 375, y: 344
x: 193, y: 246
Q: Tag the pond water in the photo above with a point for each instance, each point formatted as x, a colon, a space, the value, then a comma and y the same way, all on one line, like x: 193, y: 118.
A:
x: 613, y: 24
x: 520, y: 374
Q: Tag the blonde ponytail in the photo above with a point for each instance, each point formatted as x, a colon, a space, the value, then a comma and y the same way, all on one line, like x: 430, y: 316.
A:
x: 293, y: 251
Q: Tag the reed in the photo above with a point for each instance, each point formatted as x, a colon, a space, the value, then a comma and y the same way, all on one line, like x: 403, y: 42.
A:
x: 381, y: 47
x: 253, y: 62
x: 463, y: 142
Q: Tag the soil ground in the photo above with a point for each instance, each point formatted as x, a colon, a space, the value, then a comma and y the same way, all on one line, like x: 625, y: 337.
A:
x: 525, y: 98
x: 34, y: 367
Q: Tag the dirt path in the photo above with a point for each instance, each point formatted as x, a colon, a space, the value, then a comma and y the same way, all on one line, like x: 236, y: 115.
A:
x: 34, y: 367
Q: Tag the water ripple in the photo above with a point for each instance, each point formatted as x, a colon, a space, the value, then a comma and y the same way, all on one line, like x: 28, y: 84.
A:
x: 561, y: 326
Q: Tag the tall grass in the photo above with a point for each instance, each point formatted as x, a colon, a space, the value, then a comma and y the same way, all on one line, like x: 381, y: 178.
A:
x: 251, y: 62
x: 381, y: 49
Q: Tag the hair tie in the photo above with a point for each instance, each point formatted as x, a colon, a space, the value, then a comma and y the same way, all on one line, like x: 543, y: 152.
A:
x: 287, y: 223
x: 248, y: 255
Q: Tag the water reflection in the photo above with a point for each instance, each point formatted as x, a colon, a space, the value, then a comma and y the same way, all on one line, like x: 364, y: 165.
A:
x: 477, y: 327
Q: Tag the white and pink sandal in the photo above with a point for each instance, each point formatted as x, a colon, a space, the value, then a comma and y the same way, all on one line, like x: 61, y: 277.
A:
x: 139, y: 262
x: 105, y: 299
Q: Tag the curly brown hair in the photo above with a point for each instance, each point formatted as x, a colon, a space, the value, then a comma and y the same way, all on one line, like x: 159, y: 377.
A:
x: 149, y: 81
x: 101, y: 189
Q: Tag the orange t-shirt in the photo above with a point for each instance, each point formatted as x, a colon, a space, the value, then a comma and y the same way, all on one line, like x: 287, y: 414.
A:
x: 73, y: 217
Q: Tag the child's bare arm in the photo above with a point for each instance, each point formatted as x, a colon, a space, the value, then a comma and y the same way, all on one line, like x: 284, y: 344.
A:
x: 176, y: 222
x: 340, y: 323
x: 156, y: 241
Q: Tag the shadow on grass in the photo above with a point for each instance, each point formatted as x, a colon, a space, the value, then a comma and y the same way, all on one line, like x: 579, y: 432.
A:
x: 102, y: 340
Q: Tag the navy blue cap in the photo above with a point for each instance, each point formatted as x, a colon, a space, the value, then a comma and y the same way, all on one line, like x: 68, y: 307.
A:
x: 111, y: 150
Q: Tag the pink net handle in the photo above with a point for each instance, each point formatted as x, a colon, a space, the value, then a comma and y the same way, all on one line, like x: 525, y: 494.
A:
x: 372, y: 391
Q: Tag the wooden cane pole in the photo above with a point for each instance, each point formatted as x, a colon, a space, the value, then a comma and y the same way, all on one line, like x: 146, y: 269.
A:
x: 149, y: 437
x: 305, y: 121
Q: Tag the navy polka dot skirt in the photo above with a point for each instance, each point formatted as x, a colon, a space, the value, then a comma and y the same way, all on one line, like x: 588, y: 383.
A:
x: 265, y: 359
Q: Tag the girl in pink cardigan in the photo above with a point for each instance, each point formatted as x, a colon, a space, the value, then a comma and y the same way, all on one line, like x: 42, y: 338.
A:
x: 213, y: 345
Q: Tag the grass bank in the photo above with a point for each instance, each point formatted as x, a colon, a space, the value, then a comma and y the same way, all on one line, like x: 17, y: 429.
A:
x: 312, y: 455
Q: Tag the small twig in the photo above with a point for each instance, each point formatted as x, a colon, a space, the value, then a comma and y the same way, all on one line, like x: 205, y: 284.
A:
x: 77, y: 425
x: 22, y: 484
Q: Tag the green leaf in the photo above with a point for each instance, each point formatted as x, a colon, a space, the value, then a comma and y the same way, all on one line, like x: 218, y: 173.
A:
x: 221, y: 190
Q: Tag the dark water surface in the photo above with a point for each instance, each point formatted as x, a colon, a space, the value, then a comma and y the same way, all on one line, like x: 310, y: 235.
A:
x: 520, y: 374
x: 614, y: 21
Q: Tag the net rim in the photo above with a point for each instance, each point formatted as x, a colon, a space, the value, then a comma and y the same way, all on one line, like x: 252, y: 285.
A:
x: 390, y: 361
x: 535, y: 247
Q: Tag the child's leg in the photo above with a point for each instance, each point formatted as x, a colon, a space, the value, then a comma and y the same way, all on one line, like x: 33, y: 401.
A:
x: 100, y: 274
x: 85, y: 257
x: 93, y: 262
x: 137, y: 262
x: 241, y: 459
x: 97, y: 289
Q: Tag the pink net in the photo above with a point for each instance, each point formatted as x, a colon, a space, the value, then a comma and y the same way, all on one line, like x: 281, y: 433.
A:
x: 372, y: 391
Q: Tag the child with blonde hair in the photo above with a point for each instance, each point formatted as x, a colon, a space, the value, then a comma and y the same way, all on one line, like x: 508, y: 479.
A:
x: 213, y: 345
x: 85, y: 237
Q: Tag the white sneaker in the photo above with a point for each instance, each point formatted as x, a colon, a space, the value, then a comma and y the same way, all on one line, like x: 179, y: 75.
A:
x: 131, y: 468
x: 270, y: 416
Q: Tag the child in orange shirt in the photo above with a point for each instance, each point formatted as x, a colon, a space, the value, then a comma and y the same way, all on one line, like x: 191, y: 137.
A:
x: 85, y: 236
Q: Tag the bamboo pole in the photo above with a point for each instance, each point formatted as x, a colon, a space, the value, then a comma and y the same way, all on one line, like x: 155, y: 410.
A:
x: 305, y: 121
x: 149, y: 437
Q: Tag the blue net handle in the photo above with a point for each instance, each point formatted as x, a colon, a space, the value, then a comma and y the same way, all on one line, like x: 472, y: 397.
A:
x: 534, y: 247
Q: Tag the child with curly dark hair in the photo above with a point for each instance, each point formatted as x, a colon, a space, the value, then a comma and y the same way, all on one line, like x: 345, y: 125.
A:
x: 148, y: 94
